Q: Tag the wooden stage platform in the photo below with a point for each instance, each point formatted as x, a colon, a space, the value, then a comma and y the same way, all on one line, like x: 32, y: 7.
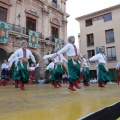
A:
x: 43, y: 102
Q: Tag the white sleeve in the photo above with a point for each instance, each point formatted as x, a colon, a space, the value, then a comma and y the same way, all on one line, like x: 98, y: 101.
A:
x: 3, y: 66
x: 64, y: 49
x: 49, y: 66
x: 94, y: 58
x: 37, y: 65
x: 79, y: 53
x: 48, y: 56
x: 11, y: 62
x: 64, y: 58
x: 15, y: 54
x: 32, y: 57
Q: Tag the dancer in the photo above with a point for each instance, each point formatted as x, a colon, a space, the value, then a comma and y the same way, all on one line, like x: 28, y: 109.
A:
x: 118, y: 68
x: 103, y: 71
x: 73, y: 55
x: 23, y: 66
x: 51, y: 68
x: 58, y: 67
x: 32, y: 73
x: 86, y: 71
x: 5, y: 74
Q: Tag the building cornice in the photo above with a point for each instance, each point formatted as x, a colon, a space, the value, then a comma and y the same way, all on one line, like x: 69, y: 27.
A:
x: 7, y: 2
x: 98, y: 12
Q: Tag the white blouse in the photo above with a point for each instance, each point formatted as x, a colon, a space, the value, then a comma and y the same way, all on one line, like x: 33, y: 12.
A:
x: 4, y: 66
x: 19, y: 53
x: 99, y: 57
x: 50, y: 66
x: 33, y: 68
x: 61, y: 60
x: 14, y: 60
x: 86, y: 63
x: 69, y: 49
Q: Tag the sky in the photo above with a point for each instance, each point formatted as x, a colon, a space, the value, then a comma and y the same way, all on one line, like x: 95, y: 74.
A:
x: 76, y: 8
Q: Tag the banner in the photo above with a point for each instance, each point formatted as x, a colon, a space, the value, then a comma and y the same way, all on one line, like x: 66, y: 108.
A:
x: 33, y: 39
x: 58, y: 43
x: 4, y: 32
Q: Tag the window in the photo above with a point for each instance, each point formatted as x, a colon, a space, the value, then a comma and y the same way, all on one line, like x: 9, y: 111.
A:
x: 30, y: 24
x: 107, y: 17
x: 3, y: 14
x: 90, y: 53
x: 89, y: 22
x: 109, y: 36
x: 111, y: 54
x: 90, y: 40
x: 54, y: 33
x: 54, y: 3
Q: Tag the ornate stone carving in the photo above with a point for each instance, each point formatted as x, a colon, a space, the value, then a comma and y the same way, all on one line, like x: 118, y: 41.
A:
x: 32, y: 11
x: 55, y: 21
x: 45, y: 9
x: 6, y: 2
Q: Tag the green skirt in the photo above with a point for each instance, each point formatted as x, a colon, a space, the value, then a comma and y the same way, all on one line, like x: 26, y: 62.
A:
x: 103, y: 74
x: 86, y: 74
x: 73, y: 71
x: 58, y: 72
x: 21, y: 73
x: 52, y: 78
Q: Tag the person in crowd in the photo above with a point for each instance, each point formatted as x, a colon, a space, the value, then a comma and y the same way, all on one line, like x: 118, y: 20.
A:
x: 65, y: 78
x: 41, y: 81
x: 5, y: 74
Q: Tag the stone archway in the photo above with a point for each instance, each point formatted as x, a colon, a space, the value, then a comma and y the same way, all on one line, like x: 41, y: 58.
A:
x: 3, y: 55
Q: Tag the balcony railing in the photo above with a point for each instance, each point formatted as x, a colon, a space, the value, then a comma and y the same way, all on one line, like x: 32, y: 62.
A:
x: 52, y: 39
x: 111, y: 58
x: 22, y: 30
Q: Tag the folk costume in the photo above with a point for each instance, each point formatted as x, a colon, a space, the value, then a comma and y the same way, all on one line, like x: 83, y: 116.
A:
x: 118, y: 68
x: 5, y: 74
x: 22, y: 71
x: 50, y: 67
x: 58, y: 68
x: 73, y: 55
x: 86, y: 71
x: 103, y: 71
x: 32, y: 73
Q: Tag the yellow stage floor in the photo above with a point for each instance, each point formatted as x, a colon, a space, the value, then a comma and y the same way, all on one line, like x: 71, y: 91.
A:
x: 43, y: 102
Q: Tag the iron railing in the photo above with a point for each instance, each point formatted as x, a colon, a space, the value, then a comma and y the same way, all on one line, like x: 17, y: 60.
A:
x: 23, y: 30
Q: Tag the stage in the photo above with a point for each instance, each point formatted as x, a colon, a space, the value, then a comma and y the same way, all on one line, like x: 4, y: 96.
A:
x: 43, y: 102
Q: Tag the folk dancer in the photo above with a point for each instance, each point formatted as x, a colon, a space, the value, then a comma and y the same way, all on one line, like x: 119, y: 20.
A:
x: 50, y: 67
x: 86, y: 71
x: 58, y: 67
x: 5, y: 74
x: 73, y: 55
x: 118, y: 68
x: 103, y: 71
x: 23, y: 66
x: 32, y: 73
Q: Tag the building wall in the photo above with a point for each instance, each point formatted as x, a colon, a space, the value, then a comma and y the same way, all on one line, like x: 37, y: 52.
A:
x: 98, y: 29
x: 45, y: 14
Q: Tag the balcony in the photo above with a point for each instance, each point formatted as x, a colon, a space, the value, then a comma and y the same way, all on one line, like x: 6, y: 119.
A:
x: 22, y: 30
x: 110, y: 59
x: 52, y: 39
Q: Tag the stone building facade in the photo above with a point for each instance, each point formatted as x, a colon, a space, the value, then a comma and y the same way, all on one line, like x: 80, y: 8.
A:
x: 47, y: 17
